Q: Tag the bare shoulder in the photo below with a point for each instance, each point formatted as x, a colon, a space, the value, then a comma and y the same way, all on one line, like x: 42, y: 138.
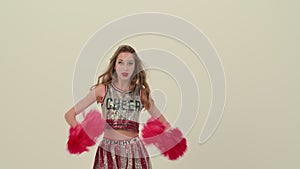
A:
x: 100, y: 90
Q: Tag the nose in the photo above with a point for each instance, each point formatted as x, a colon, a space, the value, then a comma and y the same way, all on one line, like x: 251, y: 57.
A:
x: 125, y: 67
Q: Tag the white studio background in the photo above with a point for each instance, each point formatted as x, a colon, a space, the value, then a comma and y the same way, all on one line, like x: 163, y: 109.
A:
x: 257, y: 43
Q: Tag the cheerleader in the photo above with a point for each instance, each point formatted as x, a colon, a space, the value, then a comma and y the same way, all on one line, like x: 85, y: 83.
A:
x: 122, y: 91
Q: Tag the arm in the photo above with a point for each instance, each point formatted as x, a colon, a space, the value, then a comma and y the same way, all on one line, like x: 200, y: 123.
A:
x: 155, y: 113
x: 90, y: 98
x: 170, y: 141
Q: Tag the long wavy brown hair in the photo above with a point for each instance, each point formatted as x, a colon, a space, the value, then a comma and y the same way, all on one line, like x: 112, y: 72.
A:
x: 138, y: 77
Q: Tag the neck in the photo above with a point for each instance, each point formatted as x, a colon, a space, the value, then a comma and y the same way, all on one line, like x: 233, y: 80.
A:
x: 123, y: 85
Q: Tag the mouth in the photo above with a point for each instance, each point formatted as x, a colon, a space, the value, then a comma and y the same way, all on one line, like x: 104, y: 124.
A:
x: 124, y: 74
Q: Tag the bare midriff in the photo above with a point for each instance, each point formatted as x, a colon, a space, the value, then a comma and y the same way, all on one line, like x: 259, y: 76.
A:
x: 119, y: 134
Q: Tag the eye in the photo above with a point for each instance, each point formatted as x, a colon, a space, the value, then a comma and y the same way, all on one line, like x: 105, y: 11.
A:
x: 130, y: 63
x: 120, y: 62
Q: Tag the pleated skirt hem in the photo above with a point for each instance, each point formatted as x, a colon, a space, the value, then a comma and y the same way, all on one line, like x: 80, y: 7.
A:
x: 122, y: 154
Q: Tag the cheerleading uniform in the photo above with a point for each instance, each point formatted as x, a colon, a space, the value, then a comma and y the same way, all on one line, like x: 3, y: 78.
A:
x: 121, y: 110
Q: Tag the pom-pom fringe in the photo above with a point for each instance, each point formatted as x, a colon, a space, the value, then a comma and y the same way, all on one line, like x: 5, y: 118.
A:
x: 171, y: 142
x: 85, y: 134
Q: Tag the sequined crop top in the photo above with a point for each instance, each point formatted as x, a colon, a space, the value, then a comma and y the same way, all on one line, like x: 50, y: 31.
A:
x: 122, y: 109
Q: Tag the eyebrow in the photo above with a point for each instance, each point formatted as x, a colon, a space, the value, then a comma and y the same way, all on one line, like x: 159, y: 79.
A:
x: 130, y: 60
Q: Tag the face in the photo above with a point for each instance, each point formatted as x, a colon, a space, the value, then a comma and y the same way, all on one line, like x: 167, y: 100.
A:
x: 125, y: 65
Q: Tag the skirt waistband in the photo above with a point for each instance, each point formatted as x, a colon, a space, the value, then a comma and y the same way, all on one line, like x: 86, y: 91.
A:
x: 120, y: 142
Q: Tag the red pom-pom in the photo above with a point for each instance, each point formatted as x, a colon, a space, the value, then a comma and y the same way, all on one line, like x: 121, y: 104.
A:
x: 152, y: 128
x: 78, y: 140
x: 93, y: 124
x: 85, y: 134
x: 171, y: 143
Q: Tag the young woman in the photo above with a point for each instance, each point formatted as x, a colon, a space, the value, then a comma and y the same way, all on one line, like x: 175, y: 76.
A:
x: 122, y: 91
